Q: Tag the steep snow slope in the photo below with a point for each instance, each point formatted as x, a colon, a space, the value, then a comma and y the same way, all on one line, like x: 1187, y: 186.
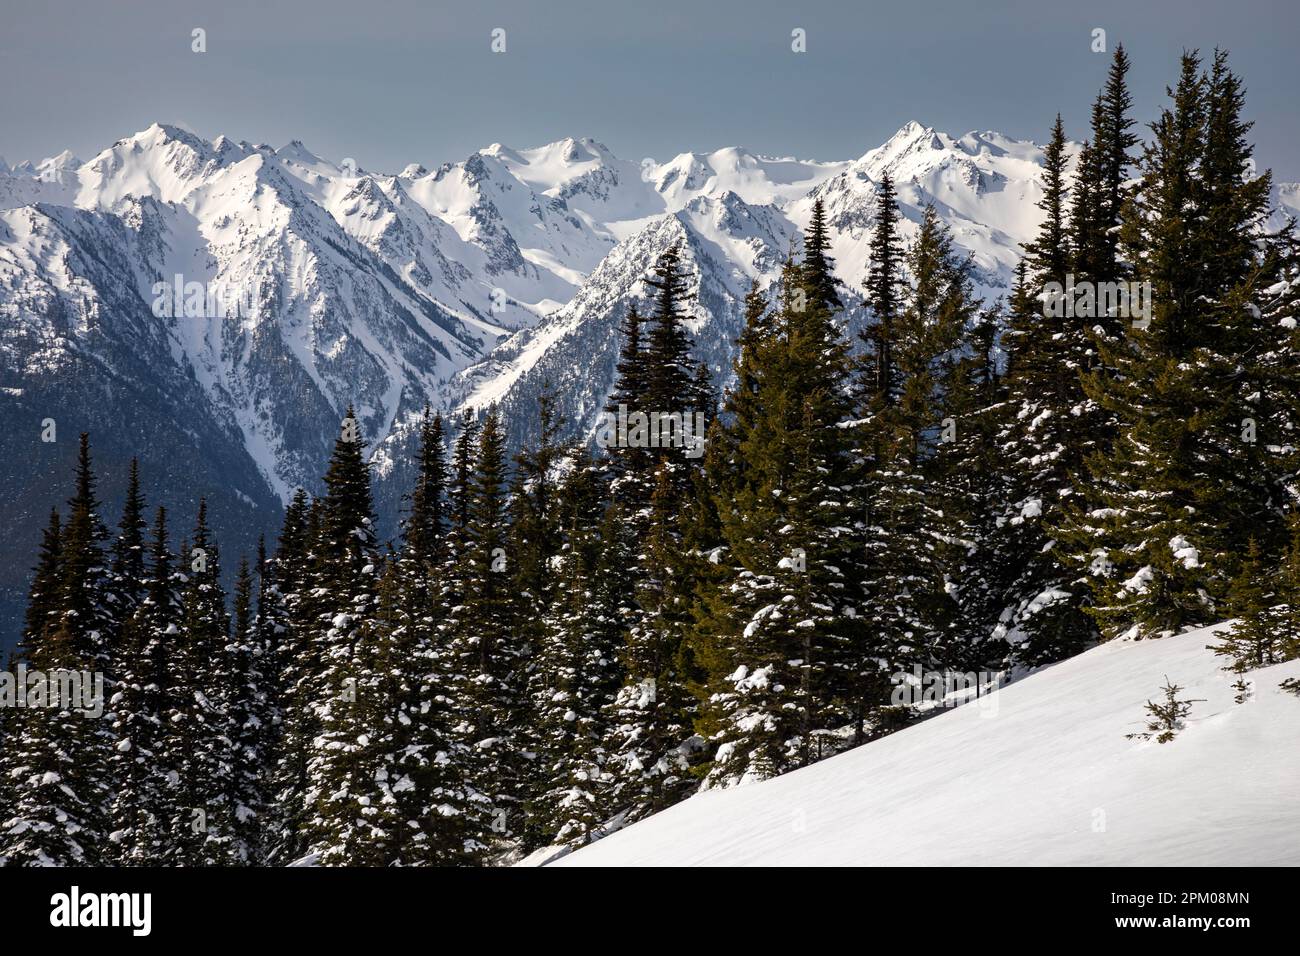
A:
x: 1038, y: 773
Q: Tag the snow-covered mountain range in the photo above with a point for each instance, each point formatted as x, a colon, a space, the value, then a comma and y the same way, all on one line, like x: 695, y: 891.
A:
x: 329, y: 285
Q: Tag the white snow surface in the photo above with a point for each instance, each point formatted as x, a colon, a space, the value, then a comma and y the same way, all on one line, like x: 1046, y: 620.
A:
x: 1039, y: 773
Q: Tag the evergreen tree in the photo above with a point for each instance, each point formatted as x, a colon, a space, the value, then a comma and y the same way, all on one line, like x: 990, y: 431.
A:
x: 1043, y: 435
x: 58, y: 760
x: 197, y: 749
x: 359, y: 775
x: 969, y: 479
x: 671, y: 387
x: 346, y: 690
x: 649, y: 738
x: 486, y: 641
x: 647, y: 735
x: 1049, y: 253
x: 284, y: 627
x: 1201, y: 455
x: 460, y: 500
x: 1052, y: 426
x: 43, y: 596
x: 1100, y: 185
x: 778, y: 634
x: 629, y: 462
x: 576, y: 672
x: 127, y: 571
x: 1287, y: 614
x: 251, y: 706
x: 1253, y: 639
x: 666, y: 356
x: 1166, y: 719
x: 1087, y: 237
x: 426, y: 766
x: 1113, y: 140
x: 534, y: 512
x: 884, y: 285
x: 908, y: 531
x: 536, y: 536
x: 817, y: 264
x: 426, y: 527
x: 42, y: 611
x: 139, y: 810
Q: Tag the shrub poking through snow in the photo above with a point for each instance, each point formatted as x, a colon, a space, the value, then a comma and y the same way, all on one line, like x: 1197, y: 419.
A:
x: 1166, y: 718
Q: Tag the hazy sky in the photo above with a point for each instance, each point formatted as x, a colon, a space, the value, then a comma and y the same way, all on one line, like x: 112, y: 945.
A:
x: 390, y: 82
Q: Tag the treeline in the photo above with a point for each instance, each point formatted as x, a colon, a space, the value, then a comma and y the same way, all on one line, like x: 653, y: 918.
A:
x: 564, y: 643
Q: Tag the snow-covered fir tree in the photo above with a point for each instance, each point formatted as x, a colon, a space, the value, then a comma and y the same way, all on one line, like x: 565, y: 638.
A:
x: 1203, y: 389
x: 58, y: 760
x: 577, y: 668
x: 345, y: 690
x: 139, y: 812
x: 197, y: 751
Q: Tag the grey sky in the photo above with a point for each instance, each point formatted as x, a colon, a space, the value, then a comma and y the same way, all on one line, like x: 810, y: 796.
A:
x: 395, y: 81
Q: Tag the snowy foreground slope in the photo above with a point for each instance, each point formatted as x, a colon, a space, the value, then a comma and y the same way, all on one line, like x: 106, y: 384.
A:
x: 1039, y: 773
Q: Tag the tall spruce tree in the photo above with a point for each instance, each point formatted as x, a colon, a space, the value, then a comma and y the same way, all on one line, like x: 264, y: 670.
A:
x: 536, y: 539
x: 346, y: 689
x: 908, y: 531
x: 671, y: 387
x: 283, y: 627
x: 654, y: 468
x: 43, y: 596
x: 628, y: 463
x: 127, y: 574
x: 883, y: 287
x: 1052, y: 426
x: 486, y: 639
x: 778, y: 632
x: 1200, y: 458
x: 1049, y: 253
x: 818, y: 265
x: 1113, y: 141
x: 426, y: 770
x: 969, y: 479
x: 139, y: 814
x: 648, y: 738
x: 252, y: 717
x: 58, y: 760
x: 576, y: 671
x: 197, y: 749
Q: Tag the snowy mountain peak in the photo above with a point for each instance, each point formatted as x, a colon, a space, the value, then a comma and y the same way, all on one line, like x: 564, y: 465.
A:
x: 548, y: 169
x: 573, y: 152
x: 912, y: 139
x: 64, y: 160
x: 162, y: 134
x: 295, y: 151
x: 912, y: 149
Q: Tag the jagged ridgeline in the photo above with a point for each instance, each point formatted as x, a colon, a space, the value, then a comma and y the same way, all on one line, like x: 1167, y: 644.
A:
x: 728, y: 565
